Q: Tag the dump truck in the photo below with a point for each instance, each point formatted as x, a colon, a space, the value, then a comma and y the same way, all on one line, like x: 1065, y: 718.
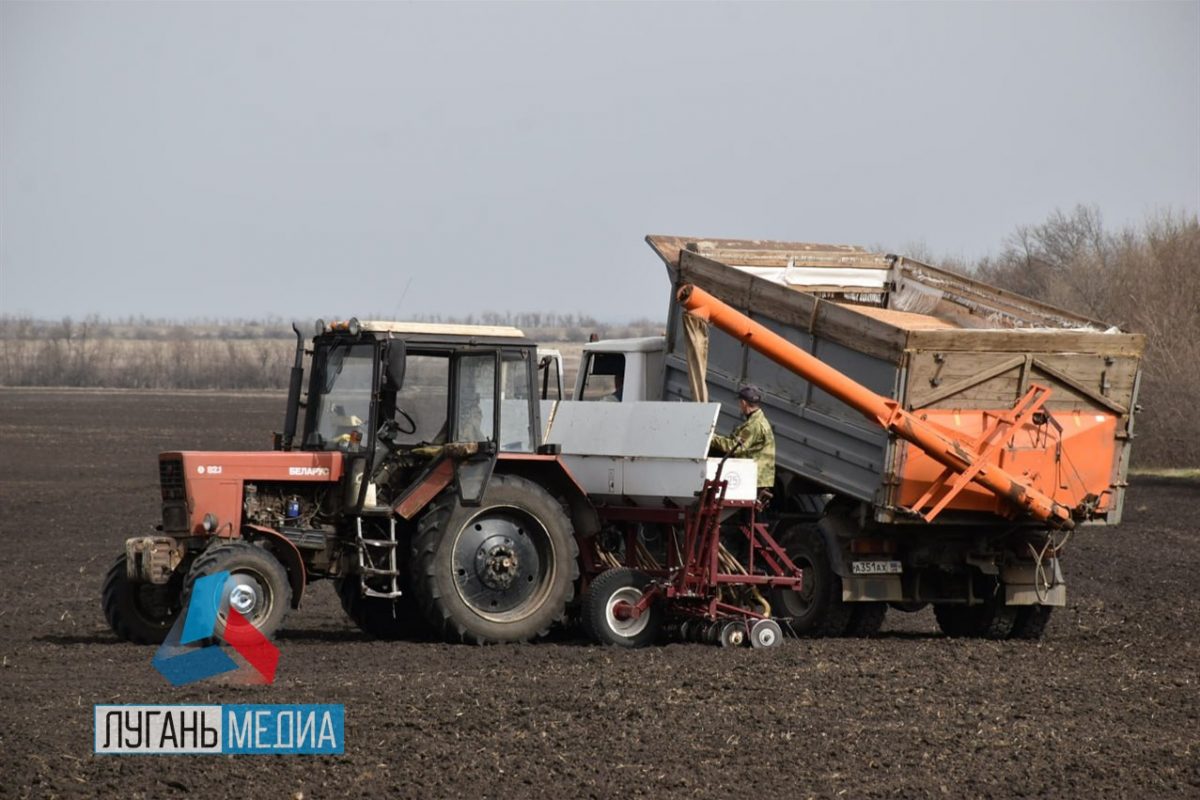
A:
x: 874, y: 519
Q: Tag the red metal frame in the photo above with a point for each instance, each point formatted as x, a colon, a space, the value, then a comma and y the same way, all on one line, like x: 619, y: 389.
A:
x: 690, y: 582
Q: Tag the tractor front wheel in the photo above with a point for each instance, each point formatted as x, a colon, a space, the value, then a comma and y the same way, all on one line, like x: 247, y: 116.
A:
x: 142, y: 613
x: 257, y: 587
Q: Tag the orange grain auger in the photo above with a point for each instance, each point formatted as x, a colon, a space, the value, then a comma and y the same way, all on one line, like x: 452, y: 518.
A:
x: 965, y: 462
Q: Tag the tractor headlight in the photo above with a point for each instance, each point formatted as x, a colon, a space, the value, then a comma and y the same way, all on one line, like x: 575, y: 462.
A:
x: 209, y: 523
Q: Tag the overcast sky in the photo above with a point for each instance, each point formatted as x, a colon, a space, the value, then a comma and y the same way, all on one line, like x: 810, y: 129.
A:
x: 301, y: 160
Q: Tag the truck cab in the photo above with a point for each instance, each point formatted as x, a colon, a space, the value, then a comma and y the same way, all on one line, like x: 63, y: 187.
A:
x: 621, y: 370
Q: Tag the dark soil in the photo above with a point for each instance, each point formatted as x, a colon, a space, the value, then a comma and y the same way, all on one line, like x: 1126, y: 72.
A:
x: 1108, y: 705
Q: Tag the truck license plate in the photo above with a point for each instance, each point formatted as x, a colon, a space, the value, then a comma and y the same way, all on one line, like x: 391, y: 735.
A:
x: 876, y: 568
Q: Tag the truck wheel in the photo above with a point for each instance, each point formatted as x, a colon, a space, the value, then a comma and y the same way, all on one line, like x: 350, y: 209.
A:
x: 988, y: 620
x: 142, y: 613
x: 908, y: 606
x: 258, y: 587
x: 1031, y: 622
x: 620, y: 585
x: 865, y: 618
x: 500, y: 572
x: 817, y: 609
x: 952, y: 619
x: 380, y: 617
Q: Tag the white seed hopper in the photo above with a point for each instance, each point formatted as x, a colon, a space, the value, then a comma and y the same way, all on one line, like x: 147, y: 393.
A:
x: 644, y: 454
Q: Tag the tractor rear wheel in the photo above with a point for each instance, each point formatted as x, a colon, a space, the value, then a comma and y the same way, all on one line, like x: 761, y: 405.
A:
x: 258, y: 586
x: 817, y: 608
x: 503, y: 571
x: 380, y: 617
x: 142, y: 613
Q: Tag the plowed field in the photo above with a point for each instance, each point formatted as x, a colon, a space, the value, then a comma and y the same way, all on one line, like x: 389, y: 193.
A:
x: 1108, y: 705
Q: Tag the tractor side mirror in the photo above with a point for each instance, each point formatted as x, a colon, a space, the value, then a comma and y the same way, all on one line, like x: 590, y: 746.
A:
x: 396, y: 358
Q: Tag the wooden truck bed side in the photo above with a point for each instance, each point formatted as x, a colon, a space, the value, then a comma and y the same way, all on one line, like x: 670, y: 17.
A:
x: 934, y: 340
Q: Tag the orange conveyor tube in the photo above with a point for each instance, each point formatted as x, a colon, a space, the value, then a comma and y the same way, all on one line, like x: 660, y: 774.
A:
x: 883, y: 411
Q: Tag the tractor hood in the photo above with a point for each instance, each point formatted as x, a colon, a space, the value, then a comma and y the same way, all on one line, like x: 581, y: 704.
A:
x: 219, y: 465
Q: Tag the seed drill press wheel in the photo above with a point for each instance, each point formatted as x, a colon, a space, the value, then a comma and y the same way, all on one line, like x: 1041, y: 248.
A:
x: 765, y: 633
x: 606, y: 609
x: 733, y: 634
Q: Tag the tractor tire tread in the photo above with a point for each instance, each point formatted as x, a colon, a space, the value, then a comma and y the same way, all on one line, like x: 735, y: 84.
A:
x: 217, y: 557
x: 124, y: 620
x: 595, y: 608
x: 380, y: 618
x: 430, y: 529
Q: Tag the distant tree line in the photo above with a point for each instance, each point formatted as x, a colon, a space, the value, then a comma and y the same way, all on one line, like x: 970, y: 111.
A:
x: 158, y: 354
x: 1144, y: 279
x: 84, y: 360
x: 555, y: 327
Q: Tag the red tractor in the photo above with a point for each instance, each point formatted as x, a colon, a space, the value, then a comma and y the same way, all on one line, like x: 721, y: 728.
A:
x: 416, y: 483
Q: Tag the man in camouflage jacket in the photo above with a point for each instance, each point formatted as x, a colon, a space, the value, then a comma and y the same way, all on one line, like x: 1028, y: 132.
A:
x: 752, y: 439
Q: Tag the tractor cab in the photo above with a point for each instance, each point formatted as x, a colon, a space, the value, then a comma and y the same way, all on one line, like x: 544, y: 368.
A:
x: 392, y: 396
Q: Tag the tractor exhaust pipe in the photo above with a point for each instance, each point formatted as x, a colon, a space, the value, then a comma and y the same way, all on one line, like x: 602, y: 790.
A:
x: 295, y: 383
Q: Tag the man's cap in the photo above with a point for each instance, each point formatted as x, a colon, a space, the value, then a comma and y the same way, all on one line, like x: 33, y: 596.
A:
x: 750, y: 393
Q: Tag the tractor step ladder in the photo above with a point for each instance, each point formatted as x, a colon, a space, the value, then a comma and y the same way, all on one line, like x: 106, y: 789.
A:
x: 367, y: 565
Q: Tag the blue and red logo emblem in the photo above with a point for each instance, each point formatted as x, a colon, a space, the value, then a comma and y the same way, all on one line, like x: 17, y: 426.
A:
x: 198, y: 647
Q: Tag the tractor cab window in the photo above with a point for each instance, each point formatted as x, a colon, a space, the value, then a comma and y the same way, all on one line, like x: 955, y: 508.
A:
x: 420, y: 409
x: 604, y: 378
x: 340, y: 403
x: 475, y: 405
x: 516, y: 420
